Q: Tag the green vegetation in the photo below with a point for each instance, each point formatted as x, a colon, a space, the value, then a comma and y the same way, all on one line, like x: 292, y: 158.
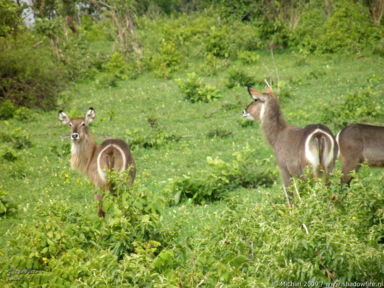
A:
x: 169, y: 77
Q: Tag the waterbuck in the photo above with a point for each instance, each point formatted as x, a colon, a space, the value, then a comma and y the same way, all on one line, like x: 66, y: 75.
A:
x: 294, y: 148
x: 360, y: 143
x: 95, y: 161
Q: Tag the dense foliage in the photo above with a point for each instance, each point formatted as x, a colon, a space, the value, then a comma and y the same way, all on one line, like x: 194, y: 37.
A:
x: 169, y: 78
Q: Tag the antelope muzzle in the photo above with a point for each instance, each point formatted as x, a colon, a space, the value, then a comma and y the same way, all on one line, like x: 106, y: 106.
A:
x: 75, y: 136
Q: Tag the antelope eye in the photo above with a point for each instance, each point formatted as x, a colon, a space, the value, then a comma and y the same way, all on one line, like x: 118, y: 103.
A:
x: 82, y: 124
x: 70, y: 124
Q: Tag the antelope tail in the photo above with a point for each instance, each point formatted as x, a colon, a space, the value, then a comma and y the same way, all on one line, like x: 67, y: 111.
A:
x: 319, y: 150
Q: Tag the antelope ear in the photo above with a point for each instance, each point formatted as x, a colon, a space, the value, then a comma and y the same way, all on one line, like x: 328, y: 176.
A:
x: 254, y: 93
x: 268, y: 90
x: 63, y: 117
x: 90, y: 116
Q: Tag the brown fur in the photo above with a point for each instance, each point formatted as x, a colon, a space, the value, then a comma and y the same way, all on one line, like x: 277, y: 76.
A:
x: 288, y: 142
x: 360, y: 143
x: 96, y: 161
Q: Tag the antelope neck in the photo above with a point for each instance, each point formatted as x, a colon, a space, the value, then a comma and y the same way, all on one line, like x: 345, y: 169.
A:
x: 272, y: 122
x: 82, y: 154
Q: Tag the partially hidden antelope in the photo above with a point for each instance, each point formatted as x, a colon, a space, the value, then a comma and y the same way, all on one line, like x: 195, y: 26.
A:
x: 97, y: 161
x: 294, y: 148
x: 360, y: 143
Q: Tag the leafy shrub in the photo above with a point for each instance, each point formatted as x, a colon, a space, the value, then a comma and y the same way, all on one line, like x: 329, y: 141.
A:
x: 264, y: 243
x: 7, y: 110
x: 5, y: 206
x: 219, y: 42
x: 24, y: 114
x: 309, y: 29
x: 95, y: 31
x: 18, y: 138
x: 196, y: 91
x: 239, y: 78
x: 347, y: 28
x: 248, y: 57
x: 8, y: 153
x: 135, y: 218
x: 65, y: 246
x: 209, y: 185
x: 358, y: 105
x: 30, y: 76
x: 166, y: 61
x: 156, y: 138
x: 70, y: 49
x: 106, y: 80
x: 12, y: 141
x: 10, y: 14
x: 248, y: 38
x: 117, y: 67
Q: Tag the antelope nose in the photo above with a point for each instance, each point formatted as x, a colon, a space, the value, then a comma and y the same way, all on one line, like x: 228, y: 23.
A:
x: 245, y: 113
x: 75, y: 136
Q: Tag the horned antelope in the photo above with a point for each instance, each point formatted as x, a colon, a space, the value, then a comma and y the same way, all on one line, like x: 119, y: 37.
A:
x: 93, y: 160
x: 359, y: 143
x: 294, y: 148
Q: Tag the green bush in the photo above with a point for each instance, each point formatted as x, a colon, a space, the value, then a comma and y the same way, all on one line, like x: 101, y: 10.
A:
x: 328, y: 229
x: 239, y: 78
x: 359, y: 105
x: 30, y: 76
x: 95, y: 30
x: 6, y: 207
x: 117, y: 67
x: 219, y: 42
x: 13, y: 141
x: 10, y: 18
x: 17, y: 138
x: 7, y: 110
x: 24, y: 114
x: 65, y: 246
x: 79, y: 60
x: 134, y: 218
x: 196, y: 91
x: 248, y: 37
x: 347, y: 29
x: 114, y: 70
x: 211, y: 184
x: 248, y: 57
x: 8, y: 153
x: 166, y: 61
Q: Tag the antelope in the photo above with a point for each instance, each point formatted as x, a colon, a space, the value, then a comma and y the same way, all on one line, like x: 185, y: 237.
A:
x: 359, y: 143
x: 294, y: 148
x: 96, y: 161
